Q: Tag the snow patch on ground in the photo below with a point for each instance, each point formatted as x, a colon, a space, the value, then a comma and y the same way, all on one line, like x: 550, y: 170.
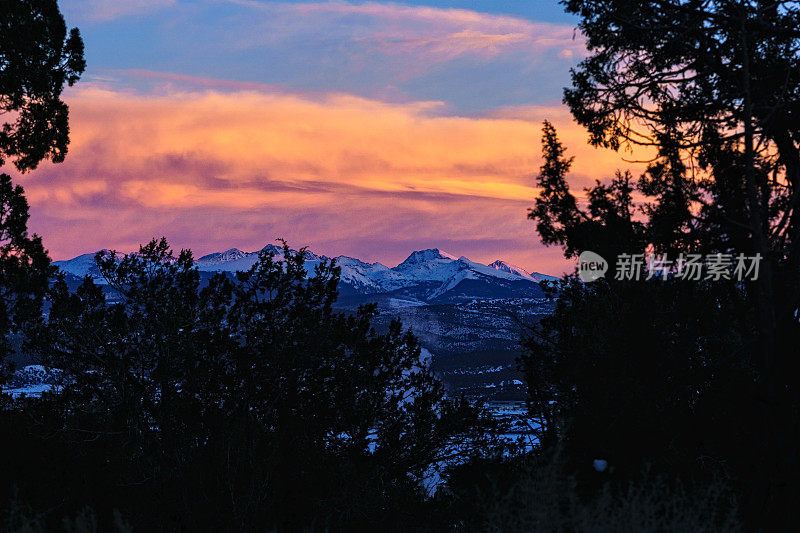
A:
x: 31, y: 381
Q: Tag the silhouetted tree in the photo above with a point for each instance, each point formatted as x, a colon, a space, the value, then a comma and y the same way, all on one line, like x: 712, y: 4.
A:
x: 539, y: 492
x: 608, y: 227
x: 246, y: 403
x: 648, y: 372
x: 24, y: 267
x: 712, y: 86
x: 37, y: 58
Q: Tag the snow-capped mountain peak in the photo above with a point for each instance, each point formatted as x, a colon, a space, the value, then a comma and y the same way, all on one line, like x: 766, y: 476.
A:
x: 426, y: 256
x: 82, y: 265
x: 221, y: 257
x: 274, y: 248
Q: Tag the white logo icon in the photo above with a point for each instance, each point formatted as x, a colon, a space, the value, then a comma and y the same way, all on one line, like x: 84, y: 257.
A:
x: 591, y: 266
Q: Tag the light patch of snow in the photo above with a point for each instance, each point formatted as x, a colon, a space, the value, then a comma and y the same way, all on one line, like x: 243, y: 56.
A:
x: 374, y: 277
x: 513, y: 269
x: 31, y: 381
x: 425, y: 356
x: 422, y: 257
x: 397, y: 303
x: 31, y: 391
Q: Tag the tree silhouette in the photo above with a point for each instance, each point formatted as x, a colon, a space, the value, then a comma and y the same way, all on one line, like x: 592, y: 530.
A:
x: 24, y: 266
x: 37, y: 58
x: 608, y: 226
x: 279, y: 410
x: 674, y: 346
x: 713, y: 87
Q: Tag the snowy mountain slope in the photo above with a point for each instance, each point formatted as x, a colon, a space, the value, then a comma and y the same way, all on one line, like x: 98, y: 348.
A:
x: 82, y: 266
x: 233, y: 260
x: 508, y: 267
x: 368, y: 278
x: 421, y: 264
x: 425, y: 276
x: 514, y: 269
x: 219, y: 258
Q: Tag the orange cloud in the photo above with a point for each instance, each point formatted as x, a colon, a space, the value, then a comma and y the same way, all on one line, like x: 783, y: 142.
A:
x: 340, y: 173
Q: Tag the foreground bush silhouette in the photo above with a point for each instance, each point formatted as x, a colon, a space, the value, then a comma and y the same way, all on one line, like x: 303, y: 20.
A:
x: 539, y: 492
x: 247, y: 403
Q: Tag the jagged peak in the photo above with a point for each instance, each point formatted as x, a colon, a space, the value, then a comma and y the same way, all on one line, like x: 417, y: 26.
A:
x: 272, y: 248
x: 509, y: 267
x: 227, y: 255
x: 431, y: 254
x: 233, y: 253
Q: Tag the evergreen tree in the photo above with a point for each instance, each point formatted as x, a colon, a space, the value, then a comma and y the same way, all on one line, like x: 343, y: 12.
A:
x: 24, y: 269
x: 245, y: 402
x: 37, y: 58
x: 674, y: 346
x: 712, y: 87
x: 643, y: 373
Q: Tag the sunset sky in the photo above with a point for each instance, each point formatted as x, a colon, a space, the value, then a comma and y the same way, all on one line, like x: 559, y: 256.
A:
x: 365, y: 129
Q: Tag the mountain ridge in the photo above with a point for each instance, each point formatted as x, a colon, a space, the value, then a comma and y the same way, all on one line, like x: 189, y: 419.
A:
x: 425, y: 276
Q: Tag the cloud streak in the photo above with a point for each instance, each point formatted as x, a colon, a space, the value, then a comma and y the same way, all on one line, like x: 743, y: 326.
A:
x: 451, y: 32
x: 416, y: 37
x: 105, y: 10
x: 384, y: 51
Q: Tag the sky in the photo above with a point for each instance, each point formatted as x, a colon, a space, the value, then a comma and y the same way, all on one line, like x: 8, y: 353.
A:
x: 367, y: 129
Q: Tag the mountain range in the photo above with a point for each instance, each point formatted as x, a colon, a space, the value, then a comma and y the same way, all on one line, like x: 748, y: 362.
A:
x: 426, y: 276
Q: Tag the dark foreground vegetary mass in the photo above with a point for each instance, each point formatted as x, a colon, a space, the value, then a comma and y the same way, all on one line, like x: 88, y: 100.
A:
x: 250, y: 403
